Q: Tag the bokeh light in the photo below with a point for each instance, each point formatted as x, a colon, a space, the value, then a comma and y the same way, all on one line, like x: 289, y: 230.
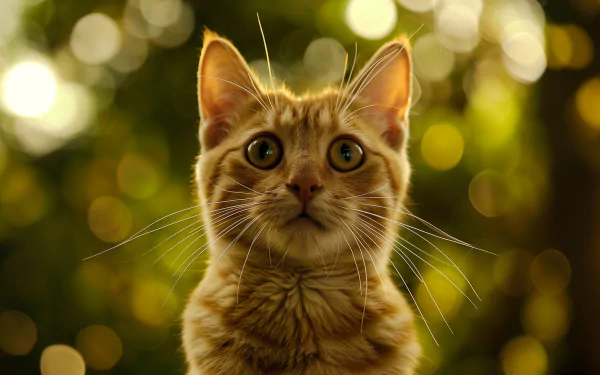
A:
x: 137, y: 176
x: 448, y: 300
x: 61, y: 360
x: 132, y: 55
x: 178, y: 32
x: 546, y: 318
x: 149, y: 303
x: 109, y: 219
x: 586, y: 100
x: 324, y: 60
x: 432, y: 61
x: 371, y: 19
x: 569, y: 46
x: 29, y: 89
x: 551, y: 272
x: 457, y: 25
x: 23, y: 200
x: 100, y: 347
x: 524, y: 356
x: 511, y: 272
x: 503, y: 148
x: 489, y: 194
x: 95, y: 39
x: 161, y: 13
x: 419, y: 6
x: 525, y: 58
x: 18, y: 333
x: 442, y: 147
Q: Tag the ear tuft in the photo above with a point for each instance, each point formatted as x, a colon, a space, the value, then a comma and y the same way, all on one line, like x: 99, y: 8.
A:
x: 225, y: 85
x: 385, y: 84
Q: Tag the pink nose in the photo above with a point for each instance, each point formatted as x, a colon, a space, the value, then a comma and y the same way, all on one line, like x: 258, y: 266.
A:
x: 304, y: 186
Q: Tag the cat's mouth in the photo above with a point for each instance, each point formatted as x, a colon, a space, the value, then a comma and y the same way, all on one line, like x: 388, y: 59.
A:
x: 305, y: 220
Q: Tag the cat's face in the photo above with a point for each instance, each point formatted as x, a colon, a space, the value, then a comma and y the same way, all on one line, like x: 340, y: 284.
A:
x: 305, y: 175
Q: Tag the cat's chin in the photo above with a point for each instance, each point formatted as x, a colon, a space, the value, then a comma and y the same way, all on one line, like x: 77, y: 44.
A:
x: 305, y: 223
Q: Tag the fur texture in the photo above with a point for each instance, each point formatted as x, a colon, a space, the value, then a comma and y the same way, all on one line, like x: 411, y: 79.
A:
x: 297, y: 286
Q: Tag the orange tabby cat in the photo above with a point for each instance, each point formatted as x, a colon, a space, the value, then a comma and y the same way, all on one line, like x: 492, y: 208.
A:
x: 297, y: 281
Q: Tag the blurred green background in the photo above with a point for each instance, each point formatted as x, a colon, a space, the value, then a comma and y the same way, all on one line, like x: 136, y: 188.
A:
x: 98, y: 134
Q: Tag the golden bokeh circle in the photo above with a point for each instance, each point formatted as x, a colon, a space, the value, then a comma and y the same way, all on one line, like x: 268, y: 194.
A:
x: 524, y: 356
x: 109, y: 219
x: 100, y: 346
x: 61, y: 360
x: 546, y: 318
x: 18, y: 333
x: 550, y: 272
x: 442, y: 147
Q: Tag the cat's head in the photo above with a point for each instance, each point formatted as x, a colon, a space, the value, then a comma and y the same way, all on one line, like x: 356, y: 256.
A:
x: 309, y: 173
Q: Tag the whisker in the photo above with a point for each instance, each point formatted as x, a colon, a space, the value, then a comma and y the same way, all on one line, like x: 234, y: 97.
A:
x: 362, y: 319
x: 411, y: 295
x: 337, y: 99
x: 237, y: 296
x: 192, y: 261
x: 268, y: 60
x: 238, y: 86
x: 225, y: 217
x: 283, y: 257
x: 355, y: 262
x: 405, y: 240
x: 429, y: 242
x: 350, y: 76
x: 202, y: 248
x: 140, y: 233
x: 414, y: 269
x: 258, y: 92
x: 453, y: 240
x: 364, y: 245
x: 230, y: 191
x: 362, y: 195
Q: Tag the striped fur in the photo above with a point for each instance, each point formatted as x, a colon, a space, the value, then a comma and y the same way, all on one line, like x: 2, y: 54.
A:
x: 291, y: 311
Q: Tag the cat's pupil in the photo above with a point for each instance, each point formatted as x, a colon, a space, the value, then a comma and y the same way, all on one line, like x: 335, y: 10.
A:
x: 346, y: 152
x: 264, y: 150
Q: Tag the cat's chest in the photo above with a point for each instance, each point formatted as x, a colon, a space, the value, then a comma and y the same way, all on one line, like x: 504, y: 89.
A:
x: 279, y: 322
x: 279, y: 307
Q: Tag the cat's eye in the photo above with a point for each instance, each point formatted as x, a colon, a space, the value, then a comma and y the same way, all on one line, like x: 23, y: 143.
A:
x: 345, y: 155
x: 264, y: 152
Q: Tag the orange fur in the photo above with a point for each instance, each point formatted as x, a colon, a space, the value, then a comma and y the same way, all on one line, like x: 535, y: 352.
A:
x: 271, y: 301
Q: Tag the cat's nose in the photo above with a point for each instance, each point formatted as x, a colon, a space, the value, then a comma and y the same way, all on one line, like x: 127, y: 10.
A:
x: 304, y: 186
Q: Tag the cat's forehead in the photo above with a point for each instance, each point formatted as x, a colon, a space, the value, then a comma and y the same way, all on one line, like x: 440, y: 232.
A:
x: 307, y: 118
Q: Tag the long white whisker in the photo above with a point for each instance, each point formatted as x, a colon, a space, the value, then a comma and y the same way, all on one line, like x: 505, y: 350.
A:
x: 417, y: 273
x: 457, y: 241
x: 237, y: 296
x: 429, y: 242
x: 405, y: 240
x: 191, y: 262
x: 239, y: 86
x: 355, y: 262
x: 411, y: 295
x: 140, y: 233
x: 268, y: 59
x: 337, y: 99
x: 362, y: 320
x: 362, y: 195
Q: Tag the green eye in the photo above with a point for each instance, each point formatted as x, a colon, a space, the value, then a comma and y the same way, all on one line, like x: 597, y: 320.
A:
x: 345, y: 155
x: 264, y: 152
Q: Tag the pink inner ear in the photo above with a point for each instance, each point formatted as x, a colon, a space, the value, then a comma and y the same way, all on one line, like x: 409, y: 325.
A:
x: 388, y: 90
x: 223, y: 78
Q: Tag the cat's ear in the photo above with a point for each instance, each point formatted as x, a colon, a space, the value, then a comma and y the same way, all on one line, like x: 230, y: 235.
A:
x: 385, y: 85
x: 225, y: 84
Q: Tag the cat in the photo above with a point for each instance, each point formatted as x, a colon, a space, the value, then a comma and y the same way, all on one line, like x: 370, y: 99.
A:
x: 297, y: 281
